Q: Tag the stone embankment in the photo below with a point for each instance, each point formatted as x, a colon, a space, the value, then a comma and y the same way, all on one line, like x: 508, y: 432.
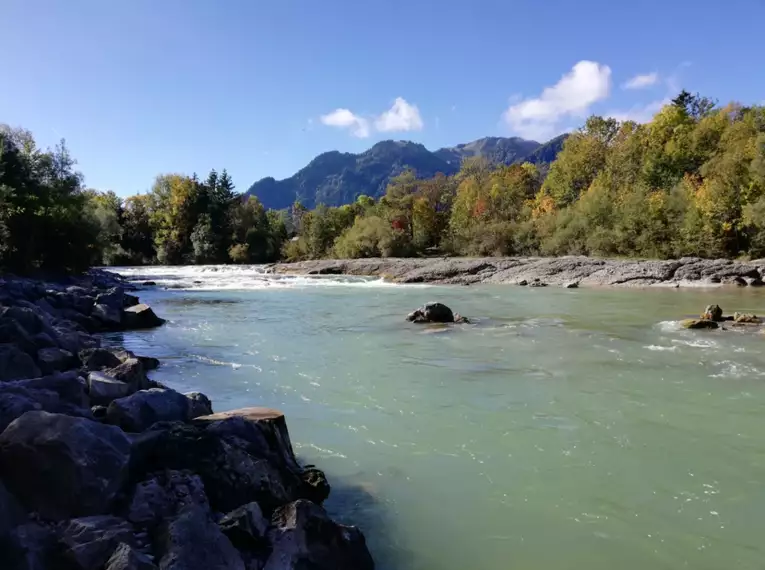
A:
x: 102, y: 467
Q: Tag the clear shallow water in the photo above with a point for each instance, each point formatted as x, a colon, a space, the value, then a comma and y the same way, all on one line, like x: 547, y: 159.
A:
x: 565, y: 429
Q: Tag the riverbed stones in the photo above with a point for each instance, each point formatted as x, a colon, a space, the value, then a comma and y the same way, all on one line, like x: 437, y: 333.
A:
x: 303, y: 536
x: 699, y: 324
x: 63, y: 466
x: 712, y: 313
x: 141, y: 316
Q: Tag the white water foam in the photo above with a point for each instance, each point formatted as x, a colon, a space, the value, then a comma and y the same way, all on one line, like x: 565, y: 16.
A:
x: 240, y: 278
x: 661, y: 348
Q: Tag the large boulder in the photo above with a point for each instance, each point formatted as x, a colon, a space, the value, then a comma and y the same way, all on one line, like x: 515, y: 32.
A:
x: 246, y: 528
x: 11, y: 332
x: 131, y: 372
x: 712, y: 313
x: 55, y: 360
x: 109, y: 317
x: 164, y: 495
x: 63, y: 466
x: 199, y: 405
x: 15, y: 364
x: 141, y: 317
x: 139, y: 411
x: 192, y: 541
x: 303, y: 536
x: 431, y: 313
x: 99, y: 358
x: 128, y: 558
x: 28, y: 318
x: 88, y: 542
x: 104, y: 389
x: 31, y: 546
x: 113, y: 298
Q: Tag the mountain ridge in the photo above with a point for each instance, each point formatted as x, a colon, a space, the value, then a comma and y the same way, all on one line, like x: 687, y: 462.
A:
x: 334, y: 178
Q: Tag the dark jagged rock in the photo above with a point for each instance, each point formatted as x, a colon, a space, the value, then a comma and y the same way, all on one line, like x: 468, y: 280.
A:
x: 431, y: 313
x: 31, y: 546
x: 131, y: 372
x: 109, y: 317
x: 246, y: 528
x: 139, y: 411
x: 90, y: 541
x: 712, y: 313
x: 149, y: 362
x: 53, y: 360
x: 199, y: 405
x: 317, y: 486
x: 303, y: 536
x: 104, y: 389
x: 164, y: 495
x: 113, y: 298
x: 12, y: 514
x: 99, y: 359
x: 192, y: 541
x: 63, y: 466
x: 126, y: 557
x: 141, y: 317
x: 16, y: 364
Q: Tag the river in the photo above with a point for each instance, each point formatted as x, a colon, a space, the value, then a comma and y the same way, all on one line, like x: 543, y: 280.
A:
x: 563, y: 429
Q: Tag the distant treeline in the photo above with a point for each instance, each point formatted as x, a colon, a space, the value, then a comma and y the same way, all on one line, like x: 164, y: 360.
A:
x: 689, y: 183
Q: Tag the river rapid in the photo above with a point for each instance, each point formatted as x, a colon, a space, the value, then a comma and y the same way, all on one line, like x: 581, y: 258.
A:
x: 563, y: 428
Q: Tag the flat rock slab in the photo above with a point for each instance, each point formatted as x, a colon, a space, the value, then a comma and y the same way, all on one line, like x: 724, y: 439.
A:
x: 254, y: 414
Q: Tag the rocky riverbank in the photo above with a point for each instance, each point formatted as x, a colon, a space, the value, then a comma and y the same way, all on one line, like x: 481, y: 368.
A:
x: 540, y: 271
x: 103, y: 468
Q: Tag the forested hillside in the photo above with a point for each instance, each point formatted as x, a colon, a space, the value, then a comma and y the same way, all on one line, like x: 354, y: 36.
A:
x: 689, y: 183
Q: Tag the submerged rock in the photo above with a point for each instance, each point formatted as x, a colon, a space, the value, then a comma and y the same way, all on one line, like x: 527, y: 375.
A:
x: 712, y: 313
x: 63, y: 466
x: 431, y: 313
x: 699, y: 324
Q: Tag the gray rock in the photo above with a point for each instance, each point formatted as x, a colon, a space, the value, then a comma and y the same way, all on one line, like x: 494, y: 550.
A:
x: 103, y: 389
x: 164, y: 495
x: 432, y: 313
x: 114, y: 298
x: 571, y: 285
x: 128, y: 558
x: 712, y: 313
x: 63, y: 466
x: 303, y: 536
x: 99, y: 358
x: 90, y: 541
x: 141, y: 317
x: 55, y: 360
x: 130, y: 372
x: 246, y: 527
x: 199, y: 405
x: 108, y: 316
x: 16, y: 364
x: 137, y: 412
x: 193, y: 541
x: 57, y: 394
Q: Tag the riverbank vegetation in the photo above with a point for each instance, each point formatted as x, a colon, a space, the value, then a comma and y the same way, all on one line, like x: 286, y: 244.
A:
x: 691, y: 182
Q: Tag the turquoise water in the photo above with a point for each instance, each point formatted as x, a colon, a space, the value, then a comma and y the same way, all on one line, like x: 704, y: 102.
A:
x: 564, y: 429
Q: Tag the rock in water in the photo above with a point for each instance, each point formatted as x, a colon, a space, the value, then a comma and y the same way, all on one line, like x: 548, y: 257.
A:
x: 141, y: 317
x: 63, y: 466
x: 431, y: 313
x: 699, y: 324
x: 747, y: 318
x: 109, y: 316
x: 128, y: 558
x: 90, y: 541
x: 713, y: 313
x: 193, y: 541
x: 303, y: 536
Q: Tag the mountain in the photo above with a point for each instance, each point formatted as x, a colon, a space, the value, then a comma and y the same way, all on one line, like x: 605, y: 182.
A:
x: 335, y: 178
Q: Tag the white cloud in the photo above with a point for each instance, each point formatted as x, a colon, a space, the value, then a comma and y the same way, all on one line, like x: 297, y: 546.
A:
x: 539, y: 118
x: 345, y: 119
x: 642, y: 81
x: 402, y: 116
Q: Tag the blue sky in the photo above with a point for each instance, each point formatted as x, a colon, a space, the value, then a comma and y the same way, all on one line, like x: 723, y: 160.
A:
x: 142, y: 87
